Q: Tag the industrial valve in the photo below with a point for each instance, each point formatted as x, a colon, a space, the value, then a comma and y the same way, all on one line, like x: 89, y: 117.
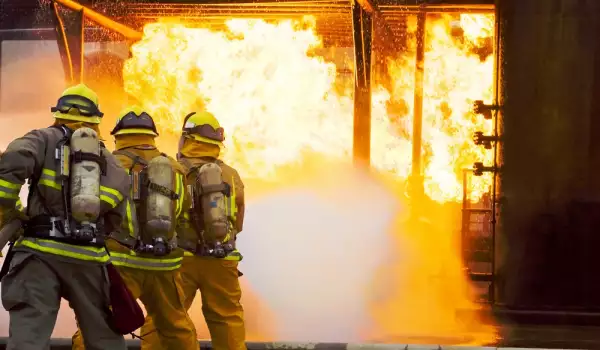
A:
x: 486, y: 110
x: 484, y: 140
x: 479, y: 169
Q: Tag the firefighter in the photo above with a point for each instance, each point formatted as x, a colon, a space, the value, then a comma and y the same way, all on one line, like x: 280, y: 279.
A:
x: 204, y: 266
x: 147, y: 258
x: 76, y: 193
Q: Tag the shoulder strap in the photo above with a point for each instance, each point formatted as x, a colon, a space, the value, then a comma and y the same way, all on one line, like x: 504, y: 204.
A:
x: 135, y: 158
x: 189, y: 167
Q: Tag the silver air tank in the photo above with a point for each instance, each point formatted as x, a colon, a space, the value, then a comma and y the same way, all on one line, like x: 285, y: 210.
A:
x: 159, y: 206
x: 85, y: 180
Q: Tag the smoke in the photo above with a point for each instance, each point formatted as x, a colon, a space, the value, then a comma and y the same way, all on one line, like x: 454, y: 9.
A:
x: 311, y: 249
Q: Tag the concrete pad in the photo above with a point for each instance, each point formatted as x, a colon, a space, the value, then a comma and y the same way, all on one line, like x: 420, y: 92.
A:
x: 376, y: 347
x: 423, y: 347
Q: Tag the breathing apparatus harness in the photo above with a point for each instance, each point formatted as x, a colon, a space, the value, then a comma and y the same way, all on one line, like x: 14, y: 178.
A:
x: 141, y: 184
x: 198, y: 190
x: 64, y: 228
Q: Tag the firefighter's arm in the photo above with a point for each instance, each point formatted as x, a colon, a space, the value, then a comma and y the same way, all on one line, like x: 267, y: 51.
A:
x: 240, y: 202
x: 22, y: 159
x: 186, y: 235
x: 114, y: 193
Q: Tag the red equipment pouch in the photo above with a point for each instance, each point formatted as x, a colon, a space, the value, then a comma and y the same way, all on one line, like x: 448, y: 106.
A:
x: 127, y: 315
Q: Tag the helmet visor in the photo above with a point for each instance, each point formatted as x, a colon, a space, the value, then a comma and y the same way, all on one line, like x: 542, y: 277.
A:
x: 206, y: 131
x: 83, y: 105
x: 134, y: 121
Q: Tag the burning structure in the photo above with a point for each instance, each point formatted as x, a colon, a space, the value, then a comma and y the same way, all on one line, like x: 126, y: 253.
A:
x: 407, y: 87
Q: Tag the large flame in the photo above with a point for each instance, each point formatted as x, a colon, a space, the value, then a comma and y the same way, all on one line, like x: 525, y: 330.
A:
x: 277, y: 100
x: 280, y: 102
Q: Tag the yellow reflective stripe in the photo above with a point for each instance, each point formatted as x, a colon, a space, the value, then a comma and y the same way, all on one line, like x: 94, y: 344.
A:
x: 95, y: 254
x: 10, y: 185
x: 110, y: 196
x: 233, y: 205
x: 48, y: 172
x: 178, y: 190
x: 112, y: 191
x: 50, y: 184
x: 9, y: 190
x: 9, y: 195
x: 234, y: 256
x: 129, y: 218
x: 19, y: 205
x: 155, y: 264
x: 48, y: 179
x: 108, y: 200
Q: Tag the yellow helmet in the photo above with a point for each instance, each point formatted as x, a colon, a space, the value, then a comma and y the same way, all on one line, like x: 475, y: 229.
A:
x: 203, y: 127
x: 134, y: 120
x: 78, y: 103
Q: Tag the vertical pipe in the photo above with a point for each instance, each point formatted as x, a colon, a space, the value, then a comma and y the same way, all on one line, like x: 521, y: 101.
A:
x: 416, y: 174
x: 495, y: 180
x: 465, y: 219
x: 63, y: 46
x: 362, y: 27
x: 75, y: 37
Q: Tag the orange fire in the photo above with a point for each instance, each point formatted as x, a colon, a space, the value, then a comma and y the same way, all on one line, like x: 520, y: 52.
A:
x: 280, y: 102
x: 277, y: 100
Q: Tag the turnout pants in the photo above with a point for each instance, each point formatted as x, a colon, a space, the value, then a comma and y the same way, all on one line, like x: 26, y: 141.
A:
x: 219, y: 286
x: 31, y: 293
x: 162, y: 296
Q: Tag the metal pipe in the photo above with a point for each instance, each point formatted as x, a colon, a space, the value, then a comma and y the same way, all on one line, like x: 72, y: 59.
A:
x: 465, y: 218
x: 496, y: 150
x: 63, y: 46
x: 102, y: 20
x: 76, y: 46
x: 362, y: 25
x: 417, y: 178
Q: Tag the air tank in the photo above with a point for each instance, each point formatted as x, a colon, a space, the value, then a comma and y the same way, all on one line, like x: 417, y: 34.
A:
x: 159, y: 207
x: 85, y: 178
x: 213, y: 204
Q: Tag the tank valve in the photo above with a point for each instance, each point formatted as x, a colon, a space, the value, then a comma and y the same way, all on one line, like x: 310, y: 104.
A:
x: 85, y: 233
x: 160, y: 247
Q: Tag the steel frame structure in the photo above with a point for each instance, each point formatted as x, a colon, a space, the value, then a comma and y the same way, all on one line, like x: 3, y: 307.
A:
x: 373, y: 24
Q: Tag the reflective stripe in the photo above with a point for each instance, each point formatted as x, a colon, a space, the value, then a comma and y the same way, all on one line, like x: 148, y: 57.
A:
x: 180, y: 190
x: 48, y: 179
x: 63, y: 249
x: 10, y: 185
x: 129, y: 219
x: 8, y: 195
x: 233, y: 256
x: 113, y: 192
x: 19, y: 205
x: 9, y: 190
x: 110, y: 196
x: 156, y: 264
